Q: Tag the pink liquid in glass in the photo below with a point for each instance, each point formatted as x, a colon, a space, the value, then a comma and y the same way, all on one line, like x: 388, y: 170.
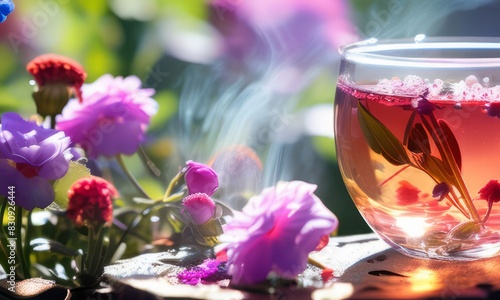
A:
x: 421, y: 161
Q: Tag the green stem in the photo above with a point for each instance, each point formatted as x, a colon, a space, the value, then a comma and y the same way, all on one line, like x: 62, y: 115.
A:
x: 131, y: 177
x: 173, y: 183
x: 95, y: 261
x: 90, y: 250
x: 19, y: 242
x: 27, y: 240
x: 137, y: 220
x: 174, y: 197
x: 447, y: 156
x: 148, y: 162
x: 4, y: 259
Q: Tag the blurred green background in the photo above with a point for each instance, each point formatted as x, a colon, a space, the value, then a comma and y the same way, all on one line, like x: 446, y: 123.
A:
x: 145, y: 38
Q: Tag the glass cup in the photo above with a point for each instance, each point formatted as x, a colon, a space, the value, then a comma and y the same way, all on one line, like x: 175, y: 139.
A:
x: 417, y: 129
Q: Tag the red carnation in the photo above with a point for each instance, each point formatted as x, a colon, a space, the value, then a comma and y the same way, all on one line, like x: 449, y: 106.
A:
x: 90, y: 202
x: 57, y: 78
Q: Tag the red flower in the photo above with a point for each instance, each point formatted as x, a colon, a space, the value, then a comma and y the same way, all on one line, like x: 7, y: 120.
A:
x: 54, y: 74
x: 407, y: 193
x: 491, y: 193
x: 90, y: 202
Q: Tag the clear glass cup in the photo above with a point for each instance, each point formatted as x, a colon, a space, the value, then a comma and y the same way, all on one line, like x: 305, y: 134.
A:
x: 417, y: 129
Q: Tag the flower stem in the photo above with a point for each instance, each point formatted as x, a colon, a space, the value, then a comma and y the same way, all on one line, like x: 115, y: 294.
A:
x: 137, y: 220
x: 490, y: 205
x: 173, y: 183
x: 19, y: 242
x: 4, y: 255
x: 131, y: 177
x: 393, y: 175
x: 447, y: 156
x: 148, y: 162
x: 174, y: 197
x: 27, y: 240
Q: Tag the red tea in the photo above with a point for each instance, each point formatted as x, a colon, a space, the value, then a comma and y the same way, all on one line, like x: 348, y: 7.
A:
x: 420, y: 161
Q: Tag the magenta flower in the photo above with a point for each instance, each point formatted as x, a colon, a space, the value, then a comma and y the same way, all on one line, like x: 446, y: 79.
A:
x: 30, y: 158
x: 6, y: 7
x: 200, y: 207
x: 276, y: 231
x: 113, y: 117
x: 200, y: 178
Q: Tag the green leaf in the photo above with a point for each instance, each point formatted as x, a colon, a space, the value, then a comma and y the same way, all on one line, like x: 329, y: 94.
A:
x: 465, y: 231
x: 62, y: 185
x: 380, y: 139
x: 42, y: 244
x: 418, y: 141
x: 436, y: 169
x: 452, y: 143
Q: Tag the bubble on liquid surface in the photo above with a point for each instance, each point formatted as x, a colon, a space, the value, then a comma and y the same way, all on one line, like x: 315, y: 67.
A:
x: 469, y: 89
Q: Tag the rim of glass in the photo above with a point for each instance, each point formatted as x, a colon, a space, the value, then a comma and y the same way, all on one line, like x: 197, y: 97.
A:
x: 370, y: 52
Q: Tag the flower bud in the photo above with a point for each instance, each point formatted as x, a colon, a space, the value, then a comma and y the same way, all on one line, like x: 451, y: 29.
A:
x: 57, y: 78
x: 200, y: 178
x: 200, y: 207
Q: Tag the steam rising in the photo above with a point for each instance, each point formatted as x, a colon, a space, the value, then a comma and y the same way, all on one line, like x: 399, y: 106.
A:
x: 405, y: 19
x: 247, y: 96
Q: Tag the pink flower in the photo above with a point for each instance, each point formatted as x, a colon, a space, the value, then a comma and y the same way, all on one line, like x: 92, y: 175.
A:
x: 200, y: 178
x: 90, y: 202
x: 276, y: 231
x: 297, y: 25
x: 112, y: 119
x: 200, y: 207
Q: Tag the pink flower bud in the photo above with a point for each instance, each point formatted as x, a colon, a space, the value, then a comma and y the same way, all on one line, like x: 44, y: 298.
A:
x: 200, y: 178
x: 200, y: 207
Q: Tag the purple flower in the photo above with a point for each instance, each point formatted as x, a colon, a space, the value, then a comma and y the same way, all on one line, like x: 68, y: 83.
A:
x: 113, y: 117
x: 320, y: 20
x: 200, y: 178
x: 30, y: 157
x: 422, y: 105
x: 200, y: 207
x: 6, y: 7
x: 440, y: 191
x: 276, y: 231
x: 493, y: 109
x: 291, y: 36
